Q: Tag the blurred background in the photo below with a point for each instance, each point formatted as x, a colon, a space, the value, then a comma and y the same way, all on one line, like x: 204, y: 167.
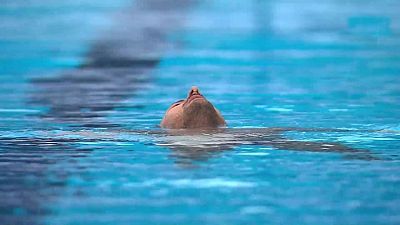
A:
x: 87, y: 66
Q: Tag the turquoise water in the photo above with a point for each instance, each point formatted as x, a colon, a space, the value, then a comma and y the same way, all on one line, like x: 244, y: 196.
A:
x: 82, y: 83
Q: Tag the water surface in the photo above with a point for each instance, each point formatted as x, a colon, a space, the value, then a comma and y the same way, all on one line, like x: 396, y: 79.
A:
x: 81, y: 83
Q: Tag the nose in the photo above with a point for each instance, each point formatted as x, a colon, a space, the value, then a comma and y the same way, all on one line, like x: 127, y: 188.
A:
x: 194, y: 91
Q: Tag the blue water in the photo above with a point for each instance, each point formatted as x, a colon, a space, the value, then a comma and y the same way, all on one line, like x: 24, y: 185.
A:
x: 81, y: 83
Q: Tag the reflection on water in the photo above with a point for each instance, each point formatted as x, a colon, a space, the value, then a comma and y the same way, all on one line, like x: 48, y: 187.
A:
x: 81, y: 98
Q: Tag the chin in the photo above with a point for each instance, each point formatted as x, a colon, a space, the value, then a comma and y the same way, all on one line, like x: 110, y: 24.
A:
x: 198, y: 104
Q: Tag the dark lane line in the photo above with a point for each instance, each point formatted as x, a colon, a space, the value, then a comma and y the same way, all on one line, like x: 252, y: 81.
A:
x: 115, y: 67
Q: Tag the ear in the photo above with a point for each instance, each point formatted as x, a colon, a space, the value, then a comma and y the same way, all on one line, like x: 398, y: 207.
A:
x: 221, y: 120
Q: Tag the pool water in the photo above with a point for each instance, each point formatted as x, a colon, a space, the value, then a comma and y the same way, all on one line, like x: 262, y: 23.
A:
x: 84, y: 85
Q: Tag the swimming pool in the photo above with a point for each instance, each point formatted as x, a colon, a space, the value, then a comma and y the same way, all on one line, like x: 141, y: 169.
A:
x: 79, y: 79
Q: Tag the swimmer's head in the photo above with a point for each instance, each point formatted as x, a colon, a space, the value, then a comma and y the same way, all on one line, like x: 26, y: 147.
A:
x: 193, y: 112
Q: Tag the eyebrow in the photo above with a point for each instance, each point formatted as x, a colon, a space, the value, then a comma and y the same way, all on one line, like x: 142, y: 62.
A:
x: 176, y: 103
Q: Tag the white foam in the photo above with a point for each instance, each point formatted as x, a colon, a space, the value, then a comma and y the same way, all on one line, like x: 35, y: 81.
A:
x: 338, y: 110
x: 20, y: 110
x: 210, y: 183
x: 278, y: 109
x: 197, y: 183
x: 253, y: 153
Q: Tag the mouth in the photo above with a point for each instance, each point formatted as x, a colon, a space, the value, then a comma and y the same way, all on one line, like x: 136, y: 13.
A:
x: 193, y: 97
